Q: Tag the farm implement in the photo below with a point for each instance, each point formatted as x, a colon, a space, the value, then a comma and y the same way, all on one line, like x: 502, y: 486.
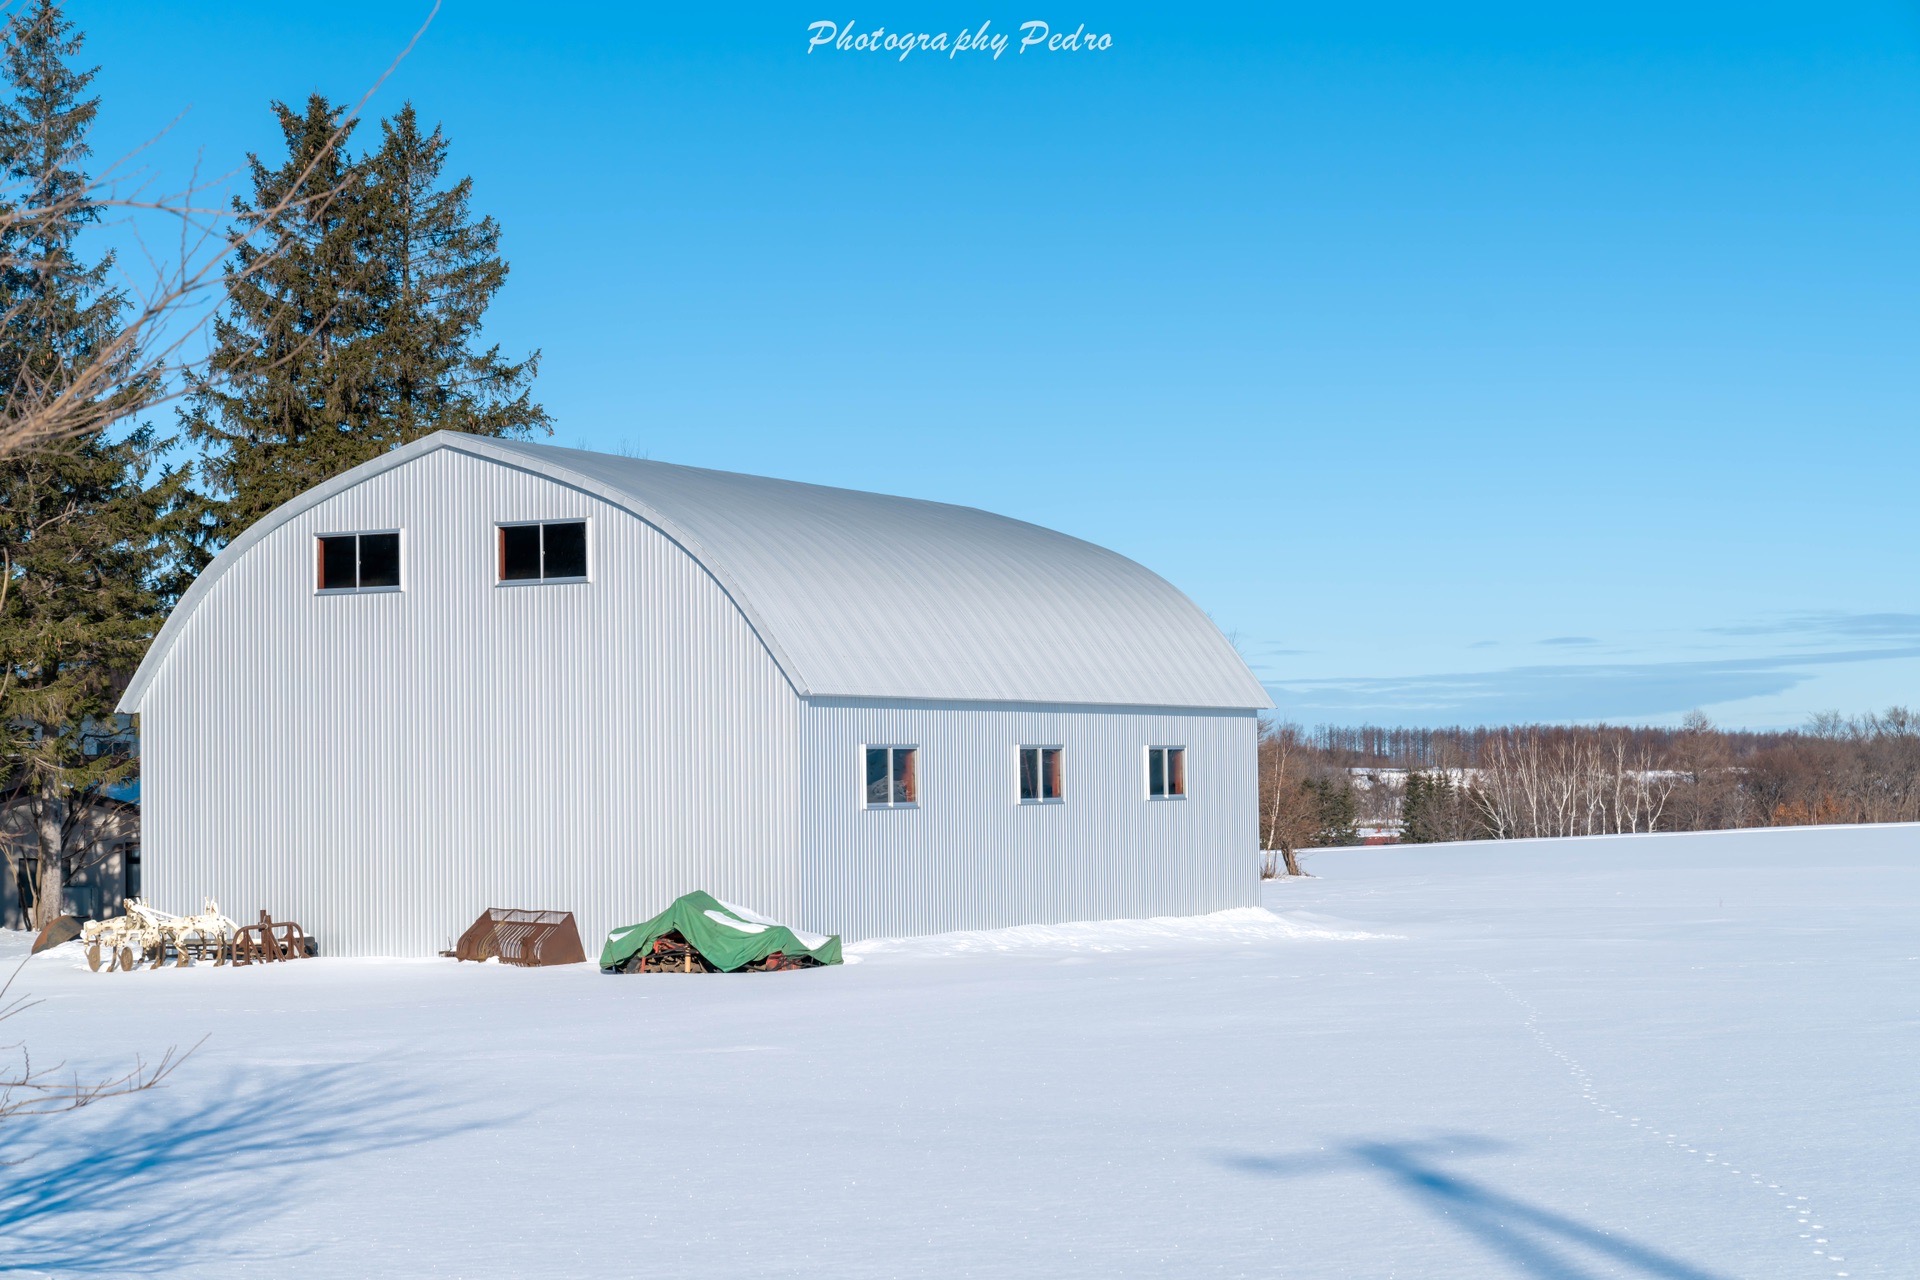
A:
x: 148, y: 937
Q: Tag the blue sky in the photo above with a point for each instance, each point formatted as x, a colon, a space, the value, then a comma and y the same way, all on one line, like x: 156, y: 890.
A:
x: 1464, y: 363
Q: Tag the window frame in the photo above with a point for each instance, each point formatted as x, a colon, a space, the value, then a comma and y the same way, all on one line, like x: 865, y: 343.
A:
x: 500, y: 552
x: 1173, y: 750
x: 919, y: 786
x: 320, y: 562
x: 1040, y: 768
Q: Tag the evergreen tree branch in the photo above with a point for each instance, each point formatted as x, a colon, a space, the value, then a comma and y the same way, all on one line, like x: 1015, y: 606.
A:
x: 145, y: 357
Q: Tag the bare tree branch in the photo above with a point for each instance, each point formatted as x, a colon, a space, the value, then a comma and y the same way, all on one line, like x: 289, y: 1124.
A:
x: 27, y: 1090
x: 141, y: 364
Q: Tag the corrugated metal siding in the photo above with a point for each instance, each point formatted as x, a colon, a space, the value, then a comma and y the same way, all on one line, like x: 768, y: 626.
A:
x: 870, y: 595
x: 972, y: 857
x: 865, y: 595
x: 384, y: 767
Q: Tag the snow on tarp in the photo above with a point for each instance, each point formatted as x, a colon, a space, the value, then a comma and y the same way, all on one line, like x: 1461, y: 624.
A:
x: 728, y: 937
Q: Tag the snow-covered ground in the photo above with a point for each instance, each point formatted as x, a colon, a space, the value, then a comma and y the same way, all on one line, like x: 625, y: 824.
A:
x: 1673, y: 1057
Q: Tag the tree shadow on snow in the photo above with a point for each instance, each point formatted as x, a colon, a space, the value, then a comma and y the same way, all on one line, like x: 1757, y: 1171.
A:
x: 1538, y: 1241
x: 146, y: 1184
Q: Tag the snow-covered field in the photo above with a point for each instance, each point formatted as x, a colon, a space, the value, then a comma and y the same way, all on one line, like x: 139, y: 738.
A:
x: 1673, y: 1057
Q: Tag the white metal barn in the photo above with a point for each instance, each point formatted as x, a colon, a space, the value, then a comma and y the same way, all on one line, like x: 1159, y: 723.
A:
x: 475, y: 673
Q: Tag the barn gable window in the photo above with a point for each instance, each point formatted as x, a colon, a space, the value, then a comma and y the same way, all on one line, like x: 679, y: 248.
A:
x: 893, y: 777
x: 358, y: 561
x: 1166, y: 773
x: 554, y: 551
x: 1040, y: 775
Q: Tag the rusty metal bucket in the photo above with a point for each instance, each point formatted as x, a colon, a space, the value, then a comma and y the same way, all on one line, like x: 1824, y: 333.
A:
x: 522, y: 937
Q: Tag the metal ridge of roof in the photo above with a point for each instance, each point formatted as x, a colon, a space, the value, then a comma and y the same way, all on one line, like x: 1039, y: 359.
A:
x: 864, y: 595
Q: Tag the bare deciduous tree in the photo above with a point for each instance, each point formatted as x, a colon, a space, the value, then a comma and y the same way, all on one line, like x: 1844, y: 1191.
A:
x: 1522, y: 781
x: 172, y: 292
x: 1593, y: 782
x: 1289, y: 809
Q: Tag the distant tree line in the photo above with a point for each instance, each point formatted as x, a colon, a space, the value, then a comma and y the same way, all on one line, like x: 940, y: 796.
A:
x: 347, y: 291
x: 1333, y: 784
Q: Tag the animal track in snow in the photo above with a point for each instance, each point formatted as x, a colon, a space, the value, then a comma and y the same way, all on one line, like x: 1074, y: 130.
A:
x: 1796, y: 1205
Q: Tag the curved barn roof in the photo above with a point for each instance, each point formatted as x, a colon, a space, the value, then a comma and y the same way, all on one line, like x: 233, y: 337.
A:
x: 867, y: 596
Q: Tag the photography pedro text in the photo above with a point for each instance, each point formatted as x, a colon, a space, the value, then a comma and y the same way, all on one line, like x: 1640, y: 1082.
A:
x: 848, y: 38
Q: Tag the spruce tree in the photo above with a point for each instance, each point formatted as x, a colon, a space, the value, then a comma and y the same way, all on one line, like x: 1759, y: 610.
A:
x: 55, y: 307
x: 437, y: 271
x: 358, y: 332
x: 290, y: 385
x: 1417, y: 803
x: 84, y: 567
x: 1337, y: 811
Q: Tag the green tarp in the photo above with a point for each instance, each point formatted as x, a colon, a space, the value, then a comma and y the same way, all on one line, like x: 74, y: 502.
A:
x: 729, y: 937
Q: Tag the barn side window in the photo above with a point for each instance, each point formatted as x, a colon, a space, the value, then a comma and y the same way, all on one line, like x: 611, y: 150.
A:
x: 1166, y: 773
x: 1040, y: 775
x: 893, y: 777
x: 358, y: 561
x: 552, y: 551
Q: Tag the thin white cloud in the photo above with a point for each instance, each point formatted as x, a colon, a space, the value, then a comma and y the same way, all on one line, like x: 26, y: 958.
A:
x: 1566, y: 692
x: 1839, y: 626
